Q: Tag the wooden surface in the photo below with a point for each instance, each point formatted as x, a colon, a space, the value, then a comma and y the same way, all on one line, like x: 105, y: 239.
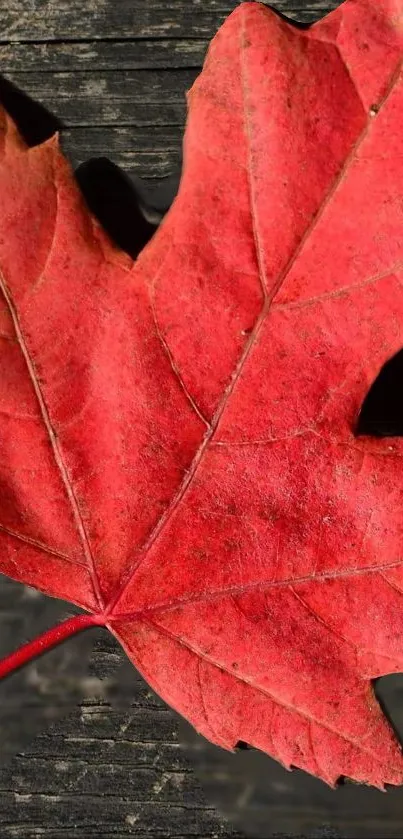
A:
x: 87, y: 750
x: 115, y: 71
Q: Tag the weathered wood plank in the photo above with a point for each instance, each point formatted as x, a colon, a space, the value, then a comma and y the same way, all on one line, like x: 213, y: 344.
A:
x: 47, y: 20
x: 105, y: 723
x: 65, y: 778
x: 128, y: 97
x: 97, y: 56
x: 132, y: 148
x: 104, y: 771
x: 122, y: 751
x: 87, y: 815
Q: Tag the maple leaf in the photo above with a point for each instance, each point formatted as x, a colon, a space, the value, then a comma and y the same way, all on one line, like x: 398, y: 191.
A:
x: 177, y: 450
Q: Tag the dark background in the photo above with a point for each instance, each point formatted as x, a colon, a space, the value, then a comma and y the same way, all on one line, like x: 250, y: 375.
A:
x: 86, y: 749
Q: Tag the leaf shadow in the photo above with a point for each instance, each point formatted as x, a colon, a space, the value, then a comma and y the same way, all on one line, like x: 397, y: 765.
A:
x: 262, y: 799
x: 35, y: 123
x: 299, y: 16
x: 128, y: 207
x: 381, y: 413
x: 389, y: 694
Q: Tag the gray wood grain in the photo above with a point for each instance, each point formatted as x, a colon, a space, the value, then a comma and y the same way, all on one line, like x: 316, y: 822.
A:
x: 47, y: 20
x: 97, y: 56
x: 117, y: 97
x: 117, y: 69
x: 107, y: 761
x: 137, y: 149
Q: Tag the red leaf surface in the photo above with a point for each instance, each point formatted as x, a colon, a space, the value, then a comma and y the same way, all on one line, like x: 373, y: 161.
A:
x: 177, y: 449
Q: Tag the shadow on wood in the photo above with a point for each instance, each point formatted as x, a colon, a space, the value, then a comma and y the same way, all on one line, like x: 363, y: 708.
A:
x: 129, y: 209
x: 34, y: 121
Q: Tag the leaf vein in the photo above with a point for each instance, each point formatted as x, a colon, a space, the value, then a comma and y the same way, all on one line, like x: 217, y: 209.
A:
x: 268, y: 299
x: 173, y: 365
x: 53, y: 440
x: 237, y: 676
x: 39, y: 545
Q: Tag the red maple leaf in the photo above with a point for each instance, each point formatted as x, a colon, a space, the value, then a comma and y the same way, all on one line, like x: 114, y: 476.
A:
x: 177, y: 447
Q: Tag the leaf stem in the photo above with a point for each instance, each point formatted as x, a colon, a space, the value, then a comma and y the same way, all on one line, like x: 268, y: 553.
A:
x: 49, y: 639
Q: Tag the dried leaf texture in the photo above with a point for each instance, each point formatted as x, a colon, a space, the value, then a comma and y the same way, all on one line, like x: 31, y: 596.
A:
x: 177, y: 449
